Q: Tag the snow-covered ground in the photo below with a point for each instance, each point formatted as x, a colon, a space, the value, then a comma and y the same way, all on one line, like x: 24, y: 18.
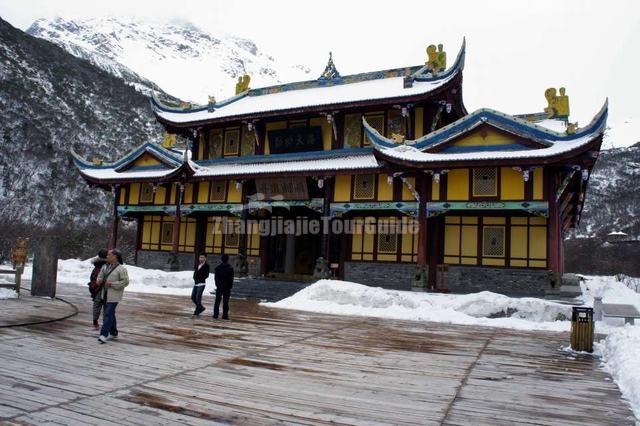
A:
x: 618, y: 349
x: 7, y: 293
x: 141, y: 280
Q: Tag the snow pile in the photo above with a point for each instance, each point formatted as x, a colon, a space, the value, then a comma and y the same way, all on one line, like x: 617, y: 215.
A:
x: 619, y: 352
x: 7, y: 293
x: 141, y: 280
x: 484, y: 308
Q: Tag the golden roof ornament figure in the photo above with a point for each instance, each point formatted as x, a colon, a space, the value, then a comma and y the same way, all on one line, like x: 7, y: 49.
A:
x: 397, y: 137
x: 97, y: 161
x: 571, y: 128
x: 243, y: 84
x: 186, y: 105
x: 436, y: 59
x: 558, y: 106
x: 169, y: 140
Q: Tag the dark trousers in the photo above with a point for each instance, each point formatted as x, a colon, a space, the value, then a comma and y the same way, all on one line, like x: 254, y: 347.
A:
x: 196, y: 295
x: 224, y: 295
x: 109, y: 323
x: 97, y: 308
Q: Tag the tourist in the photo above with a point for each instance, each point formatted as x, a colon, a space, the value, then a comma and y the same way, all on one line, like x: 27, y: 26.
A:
x: 114, y: 278
x: 200, y: 275
x: 223, y: 275
x: 94, y: 288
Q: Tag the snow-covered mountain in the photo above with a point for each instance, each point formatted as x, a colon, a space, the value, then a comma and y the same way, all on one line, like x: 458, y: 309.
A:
x: 51, y: 101
x: 183, y: 60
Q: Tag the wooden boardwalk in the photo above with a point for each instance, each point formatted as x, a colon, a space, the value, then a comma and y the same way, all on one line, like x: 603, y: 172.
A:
x: 269, y: 366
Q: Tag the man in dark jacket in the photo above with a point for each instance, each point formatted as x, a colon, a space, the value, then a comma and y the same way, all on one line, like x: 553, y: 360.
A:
x: 200, y: 275
x: 224, y: 281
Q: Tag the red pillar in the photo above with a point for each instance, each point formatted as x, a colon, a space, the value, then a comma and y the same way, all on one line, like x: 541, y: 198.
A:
x: 553, y: 242
x: 176, y: 222
x: 422, y: 220
x: 115, y: 221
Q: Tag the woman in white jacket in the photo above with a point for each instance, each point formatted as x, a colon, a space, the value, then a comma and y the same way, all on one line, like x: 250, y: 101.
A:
x: 114, y: 278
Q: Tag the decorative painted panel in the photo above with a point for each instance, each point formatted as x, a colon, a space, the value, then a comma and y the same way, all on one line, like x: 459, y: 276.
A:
x: 248, y: 144
x: 215, y: 144
x: 352, y: 131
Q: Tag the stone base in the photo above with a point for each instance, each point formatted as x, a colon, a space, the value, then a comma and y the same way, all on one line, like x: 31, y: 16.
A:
x: 185, y: 261
x: 515, y: 282
x: 158, y: 260
x: 397, y: 276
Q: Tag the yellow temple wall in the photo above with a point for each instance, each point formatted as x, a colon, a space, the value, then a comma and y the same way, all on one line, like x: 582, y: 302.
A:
x: 521, y: 241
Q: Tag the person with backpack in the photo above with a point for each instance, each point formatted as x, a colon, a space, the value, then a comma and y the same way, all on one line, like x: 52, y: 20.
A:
x: 114, y: 278
x: 224, y: 282
x: 200, y: 275
x: 94, y: 288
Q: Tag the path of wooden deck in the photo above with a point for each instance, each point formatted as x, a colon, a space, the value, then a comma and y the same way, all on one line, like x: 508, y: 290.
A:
x: 269, y: 366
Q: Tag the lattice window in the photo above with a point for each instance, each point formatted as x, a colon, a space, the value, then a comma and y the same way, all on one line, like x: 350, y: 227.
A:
x: 377, y: 122
x: 146, y: 193
x: 485, y: 182
x: 215, y: 144
x: 218, y: 192
x: 387, y: 241
x: 231, y: 237
x: 231, y: 141
x: 364, y: 187
x: 166, y: 234
x: 493, y: 241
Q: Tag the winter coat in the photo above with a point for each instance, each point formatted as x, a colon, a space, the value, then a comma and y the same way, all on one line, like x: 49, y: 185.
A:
x: 94, y: 287
x: 224, y: 276
x: 119, y: 279
x: 200, y: 275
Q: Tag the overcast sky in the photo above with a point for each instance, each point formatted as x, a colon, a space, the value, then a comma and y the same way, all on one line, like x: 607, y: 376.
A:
x: 515, y: 49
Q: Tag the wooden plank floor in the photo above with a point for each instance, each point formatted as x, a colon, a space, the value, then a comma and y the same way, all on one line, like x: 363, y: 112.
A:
x: 269, y: 366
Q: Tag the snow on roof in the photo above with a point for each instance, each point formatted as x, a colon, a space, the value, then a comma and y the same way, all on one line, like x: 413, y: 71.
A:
x: 111, y: 173
x: 618, y: 233
x: 555, y: 125
x: 316, y: 96
x: 555, y: 142
x: 409, y: 153
x: 378, y: 85
x: 241, y: 167
x: 350, y: 162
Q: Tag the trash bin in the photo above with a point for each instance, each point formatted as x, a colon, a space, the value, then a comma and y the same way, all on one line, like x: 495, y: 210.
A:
x: 582, y: 329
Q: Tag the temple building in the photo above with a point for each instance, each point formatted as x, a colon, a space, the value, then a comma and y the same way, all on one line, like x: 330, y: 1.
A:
x: 408, y: 188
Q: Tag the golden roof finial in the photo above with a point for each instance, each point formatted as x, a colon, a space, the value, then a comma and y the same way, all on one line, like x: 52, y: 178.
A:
x: 558, y: 106
x: 169, y: 140
x: 436, y: 59
x: 243, y: 83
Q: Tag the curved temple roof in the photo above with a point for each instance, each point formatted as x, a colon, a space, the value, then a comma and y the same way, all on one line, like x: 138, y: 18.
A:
x: 324, y: 162
x: 553, y: 143
x: 380, y: 85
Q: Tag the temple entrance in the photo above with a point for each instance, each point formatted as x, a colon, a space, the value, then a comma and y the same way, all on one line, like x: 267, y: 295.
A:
x: 292, y: 256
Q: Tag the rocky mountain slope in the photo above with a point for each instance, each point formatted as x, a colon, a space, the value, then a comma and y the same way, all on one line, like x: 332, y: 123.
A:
x: 50, y: 101
x: 613, y: 196
x: 177, y: 56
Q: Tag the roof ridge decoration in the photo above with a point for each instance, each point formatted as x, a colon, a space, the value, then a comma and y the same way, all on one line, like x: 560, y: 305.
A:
x: 413, y: 73
x: 505, y: 122
x: 434, y: 69
x: 330, y: 71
